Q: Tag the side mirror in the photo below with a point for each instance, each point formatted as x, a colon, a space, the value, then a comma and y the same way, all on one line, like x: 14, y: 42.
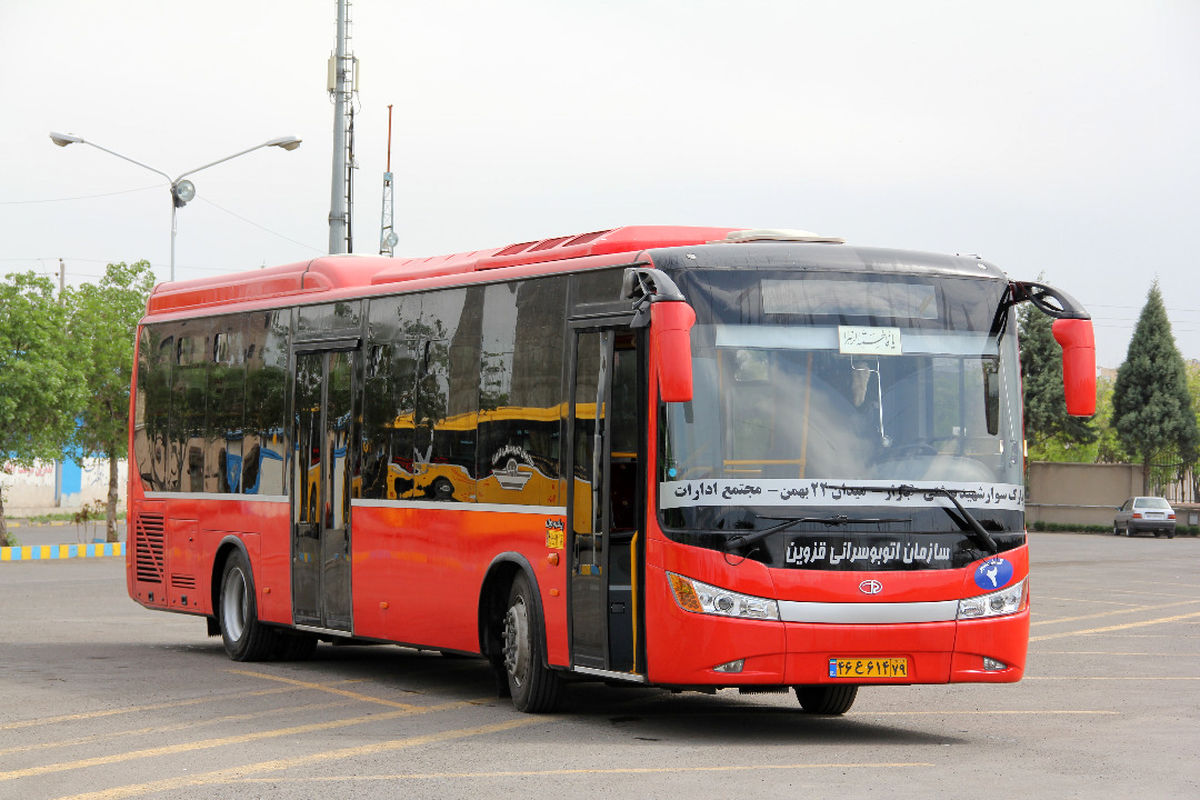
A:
x: 1078, y: 343
x: 671, y: 348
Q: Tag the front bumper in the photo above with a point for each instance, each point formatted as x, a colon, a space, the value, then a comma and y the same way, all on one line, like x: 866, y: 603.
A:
x: 684, y: 649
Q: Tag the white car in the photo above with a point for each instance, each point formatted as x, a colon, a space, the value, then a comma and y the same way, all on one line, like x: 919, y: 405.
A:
x: 1145, y: 515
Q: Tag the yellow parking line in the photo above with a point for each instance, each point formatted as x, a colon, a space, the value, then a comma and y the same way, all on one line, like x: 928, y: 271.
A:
x: 1140, y: 593
x: 321, y: 687
x: 29, y: 723
x: 998, y: 712
x: 1102, y: 614
x: 235, y: 774
x: 179, y: 726
x: 205, y: 744
x: 1110, y: 628
x: 1116, y: 653
x: 1089, y: 600
x: 1111, y: 678
x: 541, y: 773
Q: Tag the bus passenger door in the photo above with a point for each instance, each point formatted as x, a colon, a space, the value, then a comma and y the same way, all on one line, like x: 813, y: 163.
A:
x: 321, y: 489
x: 605, y: 505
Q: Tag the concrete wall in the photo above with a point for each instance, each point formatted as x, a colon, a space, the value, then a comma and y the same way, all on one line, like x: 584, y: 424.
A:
x: 1079, y: 494
x: 29, y: 491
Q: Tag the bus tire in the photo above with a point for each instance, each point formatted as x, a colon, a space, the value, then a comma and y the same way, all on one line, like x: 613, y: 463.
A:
x: 826, y: 700
x: 245, y: 638
x: 534, y: 686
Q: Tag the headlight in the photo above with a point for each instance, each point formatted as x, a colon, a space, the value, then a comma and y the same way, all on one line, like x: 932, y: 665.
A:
x: 1008, y: 600
x: 700, y: 598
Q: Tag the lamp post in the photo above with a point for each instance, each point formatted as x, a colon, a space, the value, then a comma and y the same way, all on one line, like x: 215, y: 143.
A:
x: 182, y: 191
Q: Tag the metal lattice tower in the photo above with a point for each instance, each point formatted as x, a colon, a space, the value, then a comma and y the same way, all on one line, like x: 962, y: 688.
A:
x: 343, y: 88
x: 387, y: 233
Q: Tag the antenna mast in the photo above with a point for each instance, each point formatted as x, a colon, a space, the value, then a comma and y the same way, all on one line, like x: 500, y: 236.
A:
x: 387, y: 234
x: 342, y: 85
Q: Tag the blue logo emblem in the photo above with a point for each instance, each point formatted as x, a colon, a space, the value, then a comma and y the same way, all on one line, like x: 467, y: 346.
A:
x: 995, y: 573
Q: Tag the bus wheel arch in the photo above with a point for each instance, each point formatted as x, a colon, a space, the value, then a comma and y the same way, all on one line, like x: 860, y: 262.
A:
x: 511, y: 628
x: 245, y: 637
x: 228, y: 545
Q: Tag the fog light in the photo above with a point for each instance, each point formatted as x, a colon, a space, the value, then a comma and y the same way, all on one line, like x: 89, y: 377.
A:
x: 992, y: 665
x: 732, y: 666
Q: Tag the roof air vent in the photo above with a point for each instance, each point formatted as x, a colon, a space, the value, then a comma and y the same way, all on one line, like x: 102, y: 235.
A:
x: 779, y: 235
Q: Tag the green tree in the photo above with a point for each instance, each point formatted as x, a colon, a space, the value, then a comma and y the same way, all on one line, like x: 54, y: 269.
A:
x: 102, y: 326
x: 1050, y: 432
x: 1108, y: 445
x: 39, y: 375
x: 1152, y: 410
x: 1193, y: 384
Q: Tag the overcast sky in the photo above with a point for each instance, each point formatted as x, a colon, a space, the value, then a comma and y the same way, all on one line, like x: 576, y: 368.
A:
x: 1055, y: 138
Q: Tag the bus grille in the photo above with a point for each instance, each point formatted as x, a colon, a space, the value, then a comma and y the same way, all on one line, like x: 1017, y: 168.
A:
x: 149, y: 544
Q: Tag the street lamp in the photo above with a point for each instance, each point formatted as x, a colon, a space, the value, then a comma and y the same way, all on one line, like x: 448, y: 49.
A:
x: 182, y: 191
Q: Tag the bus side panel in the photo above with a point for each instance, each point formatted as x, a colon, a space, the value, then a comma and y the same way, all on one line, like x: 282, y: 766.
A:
x: 273, y: 565
x: 418, y: 573
x: 192, y: 531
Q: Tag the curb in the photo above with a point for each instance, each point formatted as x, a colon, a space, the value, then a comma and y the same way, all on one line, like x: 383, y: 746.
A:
x: 45, y: 552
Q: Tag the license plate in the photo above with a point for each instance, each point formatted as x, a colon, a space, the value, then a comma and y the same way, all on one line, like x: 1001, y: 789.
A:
x: 868, y: 667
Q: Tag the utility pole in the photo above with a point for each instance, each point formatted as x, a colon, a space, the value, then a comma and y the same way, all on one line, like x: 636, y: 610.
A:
x: 342, y: 85
x: 58, y: 464
x: 387, y: 235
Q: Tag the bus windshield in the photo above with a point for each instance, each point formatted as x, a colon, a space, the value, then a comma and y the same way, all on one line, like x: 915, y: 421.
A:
x: 812, y: 393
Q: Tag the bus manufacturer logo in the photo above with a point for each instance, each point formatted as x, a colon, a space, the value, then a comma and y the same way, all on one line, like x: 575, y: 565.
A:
x: 870, y: 587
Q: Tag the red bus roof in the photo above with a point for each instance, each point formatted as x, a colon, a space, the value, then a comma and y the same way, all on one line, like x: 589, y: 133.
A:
x: 327, y: 273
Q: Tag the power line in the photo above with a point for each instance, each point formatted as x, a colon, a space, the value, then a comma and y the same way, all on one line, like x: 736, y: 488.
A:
x: 260, y: 227
x: 77, y: 197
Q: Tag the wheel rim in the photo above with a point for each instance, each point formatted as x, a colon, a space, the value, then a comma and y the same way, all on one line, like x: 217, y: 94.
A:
x: 516, y: 641
x: 233, y: 604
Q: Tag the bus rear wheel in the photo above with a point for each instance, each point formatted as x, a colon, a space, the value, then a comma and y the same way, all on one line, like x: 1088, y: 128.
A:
x: 826, y: 700
x: 533, y: 685
x: 245, y: 638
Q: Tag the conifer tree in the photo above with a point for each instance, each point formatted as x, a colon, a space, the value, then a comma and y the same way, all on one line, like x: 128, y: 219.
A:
x: 1152, y: 409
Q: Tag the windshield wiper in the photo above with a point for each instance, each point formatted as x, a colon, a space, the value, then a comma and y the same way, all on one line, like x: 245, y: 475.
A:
x: 967, y: 522
x: 742, y: 540
x: 981, y: 534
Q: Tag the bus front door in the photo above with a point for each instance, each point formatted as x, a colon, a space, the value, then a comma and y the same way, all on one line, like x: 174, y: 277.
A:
x: 321, y: 488
x: 605, y: 505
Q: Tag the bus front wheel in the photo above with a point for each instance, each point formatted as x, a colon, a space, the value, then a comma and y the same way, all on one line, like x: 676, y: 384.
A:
x: 826, y: 700
x: 245, y: 638
x: 533, y: 685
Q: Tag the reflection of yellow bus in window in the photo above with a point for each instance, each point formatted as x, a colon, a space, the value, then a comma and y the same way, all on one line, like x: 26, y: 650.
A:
x: 508, y: 466
x: 514, y: 445
x: 414, y: 473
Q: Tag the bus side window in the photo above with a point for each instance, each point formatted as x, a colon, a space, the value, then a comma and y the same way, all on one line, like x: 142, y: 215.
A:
x: 520, y: 391
x: 264, y: 440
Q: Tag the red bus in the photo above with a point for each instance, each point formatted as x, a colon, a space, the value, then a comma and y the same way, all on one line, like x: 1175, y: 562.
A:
x: 695, y: 458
